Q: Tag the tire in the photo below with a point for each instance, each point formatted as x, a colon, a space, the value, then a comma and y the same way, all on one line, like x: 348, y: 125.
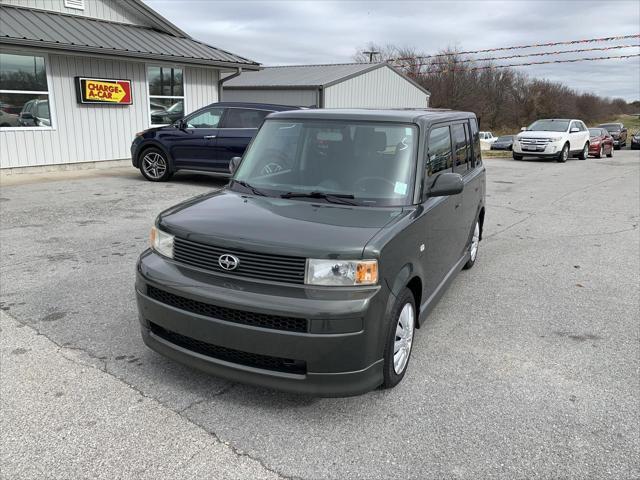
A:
x: 473, y: 247
x: 154, y: 165
x: 517, y: 157
x: 610, y: 154
x: 563, y: 156
x: 600, y: 153
x: 584, y: 154
x: 399, y: 336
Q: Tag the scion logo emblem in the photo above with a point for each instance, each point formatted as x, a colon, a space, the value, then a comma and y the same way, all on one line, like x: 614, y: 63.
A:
x: 228, y: 262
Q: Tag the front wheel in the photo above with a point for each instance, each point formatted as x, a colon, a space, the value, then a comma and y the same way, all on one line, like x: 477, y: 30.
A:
x: 154, y: 165
x: 399, y: 339
x: 610, y: 154
x: 563, y: 156
x: 585, y: 152
x: 517, y: 157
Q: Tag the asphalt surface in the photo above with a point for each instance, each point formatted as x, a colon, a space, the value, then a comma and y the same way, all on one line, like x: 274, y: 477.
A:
x: 527, y: 368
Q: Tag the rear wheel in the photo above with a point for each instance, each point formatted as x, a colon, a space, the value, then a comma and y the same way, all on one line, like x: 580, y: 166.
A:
x: 585, y: 152
x: 154, y: 165
x: 473, y: 246
x: 399, y: 339
x: 563, y: 156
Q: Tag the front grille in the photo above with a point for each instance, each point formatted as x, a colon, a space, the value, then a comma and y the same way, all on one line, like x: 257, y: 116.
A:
x: 275, y: 322
x: 538, y: 142
x: 265, y: 362
x: 280, y: 268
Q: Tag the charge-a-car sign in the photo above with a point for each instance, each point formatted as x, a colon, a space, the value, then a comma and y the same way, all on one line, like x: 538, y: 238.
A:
x: 103, y: 90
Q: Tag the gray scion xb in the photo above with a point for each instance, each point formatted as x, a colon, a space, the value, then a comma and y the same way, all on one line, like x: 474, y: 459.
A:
x: 310, y: 271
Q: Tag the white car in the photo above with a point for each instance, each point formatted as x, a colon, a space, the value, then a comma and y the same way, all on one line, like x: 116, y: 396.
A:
x: 557, y: 138
x: 486, y: 139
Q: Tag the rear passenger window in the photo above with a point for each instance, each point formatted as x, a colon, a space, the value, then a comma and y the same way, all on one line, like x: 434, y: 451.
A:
x: 461, y: 149
x: 475, y: 138
x: 439, y: 156
x: 244, y: 118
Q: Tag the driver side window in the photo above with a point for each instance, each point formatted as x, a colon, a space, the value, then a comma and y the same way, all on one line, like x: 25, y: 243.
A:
x: 209, y: 118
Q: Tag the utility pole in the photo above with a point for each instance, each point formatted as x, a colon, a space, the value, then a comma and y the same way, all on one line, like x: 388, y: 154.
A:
x: 371, y: 53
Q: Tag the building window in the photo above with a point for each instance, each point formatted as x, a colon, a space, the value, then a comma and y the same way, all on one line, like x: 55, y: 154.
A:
x: 75, y: 4
x: 166, y: 94
x: 24, y: 93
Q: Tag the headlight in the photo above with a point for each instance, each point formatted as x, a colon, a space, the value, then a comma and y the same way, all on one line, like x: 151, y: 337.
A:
x: 161, y: 242
x: 341, y: 272
x: 555, y: 139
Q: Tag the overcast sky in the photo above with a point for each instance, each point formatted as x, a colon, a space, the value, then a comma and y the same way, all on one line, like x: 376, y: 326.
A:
x: 304, y: 31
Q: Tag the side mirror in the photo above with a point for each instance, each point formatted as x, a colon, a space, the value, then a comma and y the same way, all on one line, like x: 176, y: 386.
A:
x: 446, y: 184
x: 180, y: 124
x: 523, y: 129
x: 574, y: 130
x: 233, y: 165
x: 26, y: 116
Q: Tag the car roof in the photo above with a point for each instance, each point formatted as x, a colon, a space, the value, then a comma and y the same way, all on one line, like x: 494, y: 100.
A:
x: 266, y: 106
x: 409, y: 115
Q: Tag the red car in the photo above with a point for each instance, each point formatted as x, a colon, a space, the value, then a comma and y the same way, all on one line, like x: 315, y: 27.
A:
x: 600, y: 143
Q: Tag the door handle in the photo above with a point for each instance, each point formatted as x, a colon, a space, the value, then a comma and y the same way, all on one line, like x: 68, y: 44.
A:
x: 209, y: 137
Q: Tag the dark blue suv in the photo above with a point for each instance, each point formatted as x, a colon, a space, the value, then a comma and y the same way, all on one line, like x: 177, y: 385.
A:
x: 205, y: 140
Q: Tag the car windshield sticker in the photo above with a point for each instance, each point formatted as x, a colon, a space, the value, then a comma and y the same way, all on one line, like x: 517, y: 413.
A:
x: 400, y: 188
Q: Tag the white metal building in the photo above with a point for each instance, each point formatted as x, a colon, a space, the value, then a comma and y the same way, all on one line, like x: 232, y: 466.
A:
x: 78, y: 78
x: 352, y: 85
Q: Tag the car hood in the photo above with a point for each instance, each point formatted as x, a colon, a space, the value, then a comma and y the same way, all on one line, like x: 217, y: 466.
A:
x: 275, y: 225
x: 539, y: 134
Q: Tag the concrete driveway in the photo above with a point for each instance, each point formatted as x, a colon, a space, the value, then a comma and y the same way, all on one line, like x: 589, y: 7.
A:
x: 527, y: 368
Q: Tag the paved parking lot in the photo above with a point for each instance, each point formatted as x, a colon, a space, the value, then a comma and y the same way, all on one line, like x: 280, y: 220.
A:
x: 527, y: 368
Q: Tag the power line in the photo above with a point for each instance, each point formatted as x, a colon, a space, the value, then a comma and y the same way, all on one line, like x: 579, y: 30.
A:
x: 524, y: 55
x: 546, y: 62
x: 534, y: 45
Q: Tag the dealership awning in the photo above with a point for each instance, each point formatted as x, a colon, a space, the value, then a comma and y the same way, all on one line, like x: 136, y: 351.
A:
x: 37, y: 28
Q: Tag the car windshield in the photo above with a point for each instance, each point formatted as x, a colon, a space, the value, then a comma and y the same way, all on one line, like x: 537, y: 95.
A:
x: 505, y: 138
x: 612, y: 128
x: 595, y: 132
x: 362, y: 163
x: 549, y: 126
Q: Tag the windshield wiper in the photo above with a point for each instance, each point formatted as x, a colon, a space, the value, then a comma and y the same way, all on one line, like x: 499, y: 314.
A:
x: 329, y: 197
x: 253, y: 189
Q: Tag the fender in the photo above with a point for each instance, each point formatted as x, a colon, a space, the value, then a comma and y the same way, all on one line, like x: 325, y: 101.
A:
x: 153, y: 143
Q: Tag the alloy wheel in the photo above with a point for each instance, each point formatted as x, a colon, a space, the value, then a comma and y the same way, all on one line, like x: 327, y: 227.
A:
x: 565, y: 153
x: 154, y: 165
x: 403, y: 338
x: 475, y: 242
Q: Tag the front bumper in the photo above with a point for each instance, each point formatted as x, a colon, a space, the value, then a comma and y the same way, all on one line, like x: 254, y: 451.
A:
x: 341, y: 351
x: 594, y: 148
x: 551, y: 149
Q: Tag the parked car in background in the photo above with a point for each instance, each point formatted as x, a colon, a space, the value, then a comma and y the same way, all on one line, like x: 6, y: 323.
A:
x: 35, y: 113
x: 503, y: 142
x: 635, y: 141
x: 8, y: 119
x: 618, y: 132
x: 600, y: 143
x: 205, y: 140
x: 557, y: 138
x: 333, y: 241
x: 486, y: 139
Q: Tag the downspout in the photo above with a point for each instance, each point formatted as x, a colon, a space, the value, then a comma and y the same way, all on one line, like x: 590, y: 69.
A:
x: 320, y: 97
x: 225, y: 79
